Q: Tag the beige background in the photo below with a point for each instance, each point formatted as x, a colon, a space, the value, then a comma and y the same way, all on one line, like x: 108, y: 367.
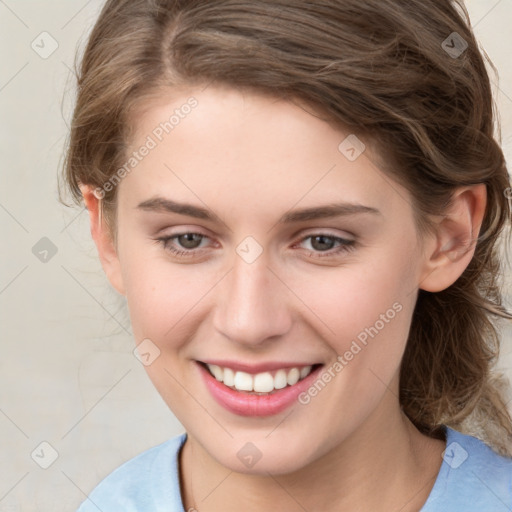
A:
x: 67, y: 373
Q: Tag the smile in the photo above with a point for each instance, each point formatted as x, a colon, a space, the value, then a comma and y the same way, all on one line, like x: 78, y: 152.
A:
x: 263, y: 383
x: 263, y: 390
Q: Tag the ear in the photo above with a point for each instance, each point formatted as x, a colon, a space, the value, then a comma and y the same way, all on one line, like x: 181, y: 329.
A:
x: 451, y: 249
x: 101, y: 236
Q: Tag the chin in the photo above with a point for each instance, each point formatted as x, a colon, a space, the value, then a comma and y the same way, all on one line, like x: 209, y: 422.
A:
x: 261, y: 456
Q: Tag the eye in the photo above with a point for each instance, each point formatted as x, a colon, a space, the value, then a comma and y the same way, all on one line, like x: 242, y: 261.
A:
x: 183, y: 244
x: 321, y: 244
x: 189, y: 240
x: 190, y: 244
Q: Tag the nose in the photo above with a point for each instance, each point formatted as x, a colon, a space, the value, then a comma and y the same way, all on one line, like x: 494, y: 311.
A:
x: 252, y: 306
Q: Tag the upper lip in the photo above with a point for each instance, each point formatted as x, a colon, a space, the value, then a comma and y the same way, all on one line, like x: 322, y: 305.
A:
x: 256, y: 368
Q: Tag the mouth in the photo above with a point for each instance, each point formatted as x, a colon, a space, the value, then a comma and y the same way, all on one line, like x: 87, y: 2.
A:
x: 262, y: 383
x: 262, y: 390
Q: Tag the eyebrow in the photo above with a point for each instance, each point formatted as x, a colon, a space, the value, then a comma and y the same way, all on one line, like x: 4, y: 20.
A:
x: 164, y: 205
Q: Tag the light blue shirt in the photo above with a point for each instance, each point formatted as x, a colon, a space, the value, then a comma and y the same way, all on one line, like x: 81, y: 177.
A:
x: 472, y: 478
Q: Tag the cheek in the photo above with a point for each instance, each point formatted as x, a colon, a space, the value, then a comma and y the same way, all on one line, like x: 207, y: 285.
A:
x: 164, y: 302
x: 162, y: 297
x: 369, y: 310
x: 364, y: 312
x: 353, y: 297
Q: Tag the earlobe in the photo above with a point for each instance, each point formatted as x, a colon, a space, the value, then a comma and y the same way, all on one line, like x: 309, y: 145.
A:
x: 99, y: 231
x: 450, y: 251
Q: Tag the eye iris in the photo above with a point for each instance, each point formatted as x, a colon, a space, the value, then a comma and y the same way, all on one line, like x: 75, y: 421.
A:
x: 190, y: 240
x: 322, y: 243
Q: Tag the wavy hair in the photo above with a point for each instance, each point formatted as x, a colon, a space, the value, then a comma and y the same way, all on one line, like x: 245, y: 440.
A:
x: 406, y: 74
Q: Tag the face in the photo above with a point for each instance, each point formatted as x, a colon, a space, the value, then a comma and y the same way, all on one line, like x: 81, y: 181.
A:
x: 251, y: 241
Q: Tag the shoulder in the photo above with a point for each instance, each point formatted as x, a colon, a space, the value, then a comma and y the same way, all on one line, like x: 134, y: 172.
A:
x: 472, y: 477
x: 149, y: 481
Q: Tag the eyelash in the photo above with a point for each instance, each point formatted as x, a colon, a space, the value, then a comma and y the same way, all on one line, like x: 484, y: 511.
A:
x: 344, y: 247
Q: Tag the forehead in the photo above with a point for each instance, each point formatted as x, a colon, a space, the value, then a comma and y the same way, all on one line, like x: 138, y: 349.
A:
x: 259, y: 152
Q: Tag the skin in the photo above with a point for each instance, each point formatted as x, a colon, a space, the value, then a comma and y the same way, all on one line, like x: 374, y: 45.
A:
x: 250, y: 159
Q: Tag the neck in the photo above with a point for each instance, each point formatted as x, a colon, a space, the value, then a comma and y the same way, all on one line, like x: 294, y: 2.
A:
x: 386, y: 464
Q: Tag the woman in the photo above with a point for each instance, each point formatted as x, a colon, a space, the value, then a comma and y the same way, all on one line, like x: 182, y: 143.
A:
x: 301, y: 203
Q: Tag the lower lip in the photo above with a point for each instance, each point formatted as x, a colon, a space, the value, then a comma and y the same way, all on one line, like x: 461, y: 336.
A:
x: 245, y: 404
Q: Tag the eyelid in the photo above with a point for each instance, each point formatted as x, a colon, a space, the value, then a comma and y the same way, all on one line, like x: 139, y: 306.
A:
x: 174, y: 236
x: 345, y: 244
x: 182, y: 229
x: 299, y: 236
x: 345, y: 235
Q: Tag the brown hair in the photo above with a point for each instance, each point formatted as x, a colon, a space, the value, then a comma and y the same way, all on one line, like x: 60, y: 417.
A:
x: 382, y: 69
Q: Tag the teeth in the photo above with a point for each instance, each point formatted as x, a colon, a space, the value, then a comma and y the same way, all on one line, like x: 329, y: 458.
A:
x: 261, y: 382
x: 243, y: 381
x: 228, y: 378
x: 293, y: 376
x: 305, y: 371
x: 217, y: 371
x: 280, y: 379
